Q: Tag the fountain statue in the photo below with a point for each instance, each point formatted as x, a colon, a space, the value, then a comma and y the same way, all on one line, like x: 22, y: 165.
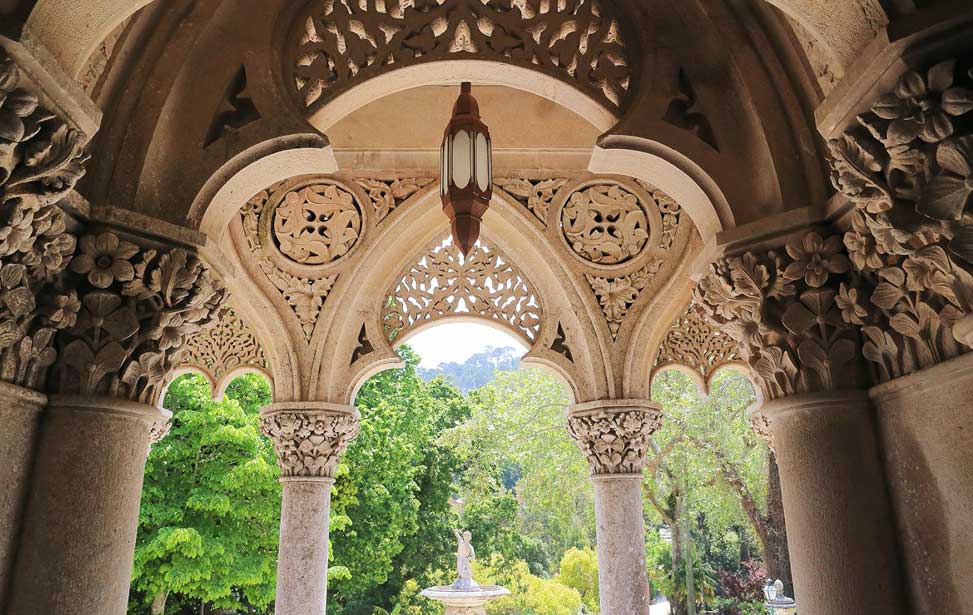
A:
x: 465, y: 596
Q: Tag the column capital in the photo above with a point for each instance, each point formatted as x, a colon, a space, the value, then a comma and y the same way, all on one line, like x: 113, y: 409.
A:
x: 309, y: 437
x: 614, y: 434
x: 788, y: 308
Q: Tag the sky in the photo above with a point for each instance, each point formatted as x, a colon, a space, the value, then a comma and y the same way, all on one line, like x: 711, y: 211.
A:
x: 458, y: 341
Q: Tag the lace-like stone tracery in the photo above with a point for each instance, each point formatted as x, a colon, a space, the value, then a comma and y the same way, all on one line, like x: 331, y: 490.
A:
x: 605, y: 224
x: 442, y: 283
x: 339, y: 43
x: 227, y: 346
x: 697, y: 344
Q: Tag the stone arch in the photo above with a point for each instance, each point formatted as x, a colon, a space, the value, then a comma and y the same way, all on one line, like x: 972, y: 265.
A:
x: 177, y: 373
x: 228, y: 379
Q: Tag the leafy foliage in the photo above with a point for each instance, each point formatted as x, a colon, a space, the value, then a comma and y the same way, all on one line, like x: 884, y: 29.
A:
x: 208, y: 525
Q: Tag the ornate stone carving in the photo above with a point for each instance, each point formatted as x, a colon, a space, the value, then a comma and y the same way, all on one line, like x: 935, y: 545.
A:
x: 236, y: 109
x: 386, y: 195
x: 309, y: 444
x: 442, y: 283
x: 615, y: 442
x: 41, y: 159
x: 683, y: 112
x: 784, y: 312
x: 908, y: 169
x: 671, y: 214
x: 137, y: 307
x: 534, y: 194
x: 226, y: 346
x: 694, y: 342
x: 605, y: 224
x: 617, y: 295
x: 338, y: 43
x: 317, y: 224
x: 306, y: 296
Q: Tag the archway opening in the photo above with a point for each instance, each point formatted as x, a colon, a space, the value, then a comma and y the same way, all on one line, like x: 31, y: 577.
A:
x: 712, y: 492
x: 462, y: 436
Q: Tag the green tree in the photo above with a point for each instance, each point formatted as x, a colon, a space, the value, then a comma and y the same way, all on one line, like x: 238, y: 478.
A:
x: 579, y: 571
x: 515, y: 441
x: 530, y: 594
x: 709, y: 476
x: 392, y: 498
x: 208, y: 524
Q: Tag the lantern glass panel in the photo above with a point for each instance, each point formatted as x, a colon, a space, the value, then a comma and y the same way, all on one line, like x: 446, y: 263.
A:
x: 482, y: 162
x: 462, y: 163
x: 444, y: 168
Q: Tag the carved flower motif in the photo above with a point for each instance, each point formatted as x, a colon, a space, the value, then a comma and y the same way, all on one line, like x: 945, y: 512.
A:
x: 814, y: 258
x: 847, y: 302
x: 614, y: 296
x: 861, y: 245
x: 104, y: 311
x: 171, y: 330
x: 888, y: 238
x: 63, y: 310
x: 921, y: 107
x: 105, y: 259
x: 948, y: 194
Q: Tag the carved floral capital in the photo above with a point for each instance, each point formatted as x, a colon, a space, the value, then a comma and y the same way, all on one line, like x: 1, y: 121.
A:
x: 908, y: 169
x: 615, y: 440
x: 784, y: 308
x: 136, y: 305
x: 41, y: 159
x: 309, y: 443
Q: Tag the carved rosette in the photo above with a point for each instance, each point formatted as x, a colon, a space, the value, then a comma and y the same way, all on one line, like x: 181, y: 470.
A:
x: 309, y: 443
x: 784, y: 309
x: 605, y: 224
x: 317, y: 224
x: 615, y: 441
x: 41, y: 159
x: 908, y: 169
x: 694, y: 342
x: 137, y: 306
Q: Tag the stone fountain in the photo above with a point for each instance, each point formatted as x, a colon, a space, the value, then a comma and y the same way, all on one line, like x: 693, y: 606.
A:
x: 465, y: 596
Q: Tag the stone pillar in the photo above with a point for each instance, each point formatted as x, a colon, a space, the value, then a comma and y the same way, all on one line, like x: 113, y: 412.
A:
x: 907, y: 183
x: 309, y: 438
x: 82, y: 514
x: 614, y: 436
x: 840, y: 527
x: 19, y: 409
x: 132, y: 304
x: 786, y: 308
x: 926, y: 429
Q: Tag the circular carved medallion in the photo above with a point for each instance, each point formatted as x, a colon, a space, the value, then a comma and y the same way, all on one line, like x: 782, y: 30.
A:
x: 605, y: 224
x: 317, y: 224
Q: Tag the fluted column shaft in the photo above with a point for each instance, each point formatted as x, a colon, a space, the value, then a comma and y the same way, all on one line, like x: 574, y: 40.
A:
x: 614, y: 435
x: 309, y: 438
x: 81, y: 517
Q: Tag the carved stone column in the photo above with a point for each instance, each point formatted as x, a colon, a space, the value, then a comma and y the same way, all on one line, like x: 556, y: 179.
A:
x: 614, y: 436
x: 309, y: 438
x: 784, y: 308
x: 136, y: 301
x: 40, y: 161
x: 906, y: 166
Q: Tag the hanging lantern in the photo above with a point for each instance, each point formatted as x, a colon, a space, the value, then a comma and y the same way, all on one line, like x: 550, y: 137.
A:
x: 466, y: 179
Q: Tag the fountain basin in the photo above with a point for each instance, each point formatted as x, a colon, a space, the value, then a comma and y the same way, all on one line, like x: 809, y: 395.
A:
x: 473, y: 599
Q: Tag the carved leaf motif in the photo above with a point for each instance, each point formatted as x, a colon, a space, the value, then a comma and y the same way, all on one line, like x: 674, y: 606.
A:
x: 534, y: 194
x: 309, y: 443
x: 615, y: 442
x: 228, y: 345
x: 694, y: 342
x: 616, y: 296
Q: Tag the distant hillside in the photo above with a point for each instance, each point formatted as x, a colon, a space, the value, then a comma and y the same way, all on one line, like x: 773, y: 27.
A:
x: 477, y: 370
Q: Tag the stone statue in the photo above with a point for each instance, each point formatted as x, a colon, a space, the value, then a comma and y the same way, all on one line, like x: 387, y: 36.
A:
x: 464, y: 554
